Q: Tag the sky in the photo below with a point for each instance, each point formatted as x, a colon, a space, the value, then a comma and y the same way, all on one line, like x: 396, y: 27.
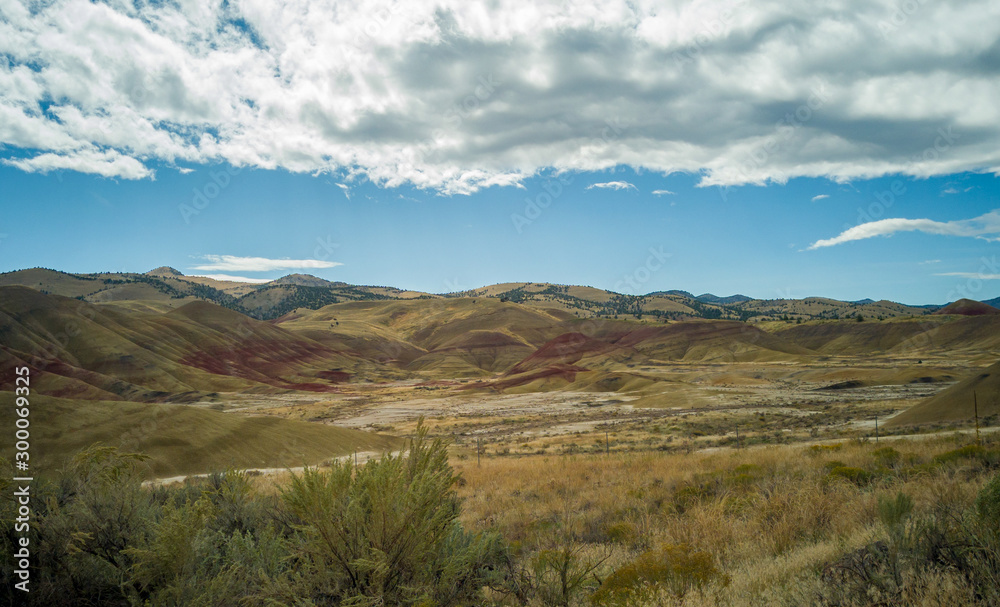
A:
x: 783, y: 149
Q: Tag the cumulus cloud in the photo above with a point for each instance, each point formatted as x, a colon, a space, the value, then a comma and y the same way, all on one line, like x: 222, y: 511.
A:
x: 612, y: 185
x: 662, y: 192
x: 229, y: 278
x: 819, y: 197
x: 986, y: 227
x: 231, y: 263
x: 460, y: 95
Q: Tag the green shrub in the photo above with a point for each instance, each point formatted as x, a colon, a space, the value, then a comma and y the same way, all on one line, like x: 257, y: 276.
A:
x: 562, y: 573
x: 95, y: 510
x: 674, y: 568
x: 988, y: 503
x: 858, y: 476
x: 622, y: 532
x: 968, y: 452
x: 886, y: 456
x: 820, y: 449
x: 388, y: 534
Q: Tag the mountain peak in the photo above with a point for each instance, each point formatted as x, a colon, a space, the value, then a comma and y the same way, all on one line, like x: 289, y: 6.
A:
x: 163, y: 271
x: 303, y: 280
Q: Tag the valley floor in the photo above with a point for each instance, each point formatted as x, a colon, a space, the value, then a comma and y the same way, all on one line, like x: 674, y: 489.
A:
x: 691, y: 407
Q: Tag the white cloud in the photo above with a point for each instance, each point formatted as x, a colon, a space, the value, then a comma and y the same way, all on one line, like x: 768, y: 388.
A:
x: 345, y: 189
x: 972, y: 275
x: 930, y: 261
x: 986, y: 227
x: 231, y: 263
x: 819, y: 197
x: 435, y: 94
x: 662, y: 192
x: 954, y: 190
x: 106, y: 163
x: 612, y: 185
x: 228, y: 278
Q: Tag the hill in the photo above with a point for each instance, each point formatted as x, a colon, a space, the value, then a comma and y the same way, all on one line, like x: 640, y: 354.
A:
x: 306, y: 280
x: 82, y: 350
x: 163, y: 271
x: 444, y: 337
x: 731, y: 299
x: 968, y: 307
x: 971, y: 336
x: 165, y: 285
x: 956, y: 403
x: 183, y: 439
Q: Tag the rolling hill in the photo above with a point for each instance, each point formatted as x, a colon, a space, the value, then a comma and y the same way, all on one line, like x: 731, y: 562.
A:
x: 289, y: 293
x: 968, y: 307
x: 957, y: 402
x: 83, y: 350
x: 152, y: 350
x: 183, y: 439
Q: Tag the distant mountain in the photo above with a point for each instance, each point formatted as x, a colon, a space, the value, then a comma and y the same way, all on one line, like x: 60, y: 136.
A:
x: 675, y: 292
x: 163, y: 271
x: 306, y: 280
x: 732, y: 299
x: 165, y: 287
x: 862, y: 302
x: 968, y: 307
x: 995, y: 302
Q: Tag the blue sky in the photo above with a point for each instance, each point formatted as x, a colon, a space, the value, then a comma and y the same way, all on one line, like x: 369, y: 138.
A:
x: 747, y: 239
x: 716, y: 146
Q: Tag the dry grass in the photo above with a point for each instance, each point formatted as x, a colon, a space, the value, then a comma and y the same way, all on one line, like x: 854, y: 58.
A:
x: 771, y: 517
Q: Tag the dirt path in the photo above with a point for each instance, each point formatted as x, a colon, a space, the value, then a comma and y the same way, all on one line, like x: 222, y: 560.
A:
x: 362, y: 457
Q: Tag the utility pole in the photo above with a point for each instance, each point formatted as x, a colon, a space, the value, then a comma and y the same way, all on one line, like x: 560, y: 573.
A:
x: 607, y: 443
x: 975, y: 403
x: 876, y: 429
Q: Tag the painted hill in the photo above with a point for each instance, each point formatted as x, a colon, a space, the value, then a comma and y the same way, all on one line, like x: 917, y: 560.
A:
x: 82, y: 350
x: 968, y: 307
x: 956, y: 403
